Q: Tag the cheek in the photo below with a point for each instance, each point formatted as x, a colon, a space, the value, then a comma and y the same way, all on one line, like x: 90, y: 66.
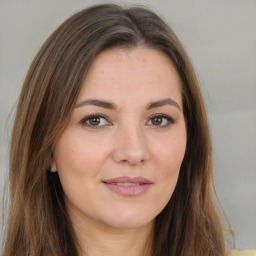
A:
x: 171, y: 152
x: 73, y: 156
x: 77, y: 164
x: 169, y: 157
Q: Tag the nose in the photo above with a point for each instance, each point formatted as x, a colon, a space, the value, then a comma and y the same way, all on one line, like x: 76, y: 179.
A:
x: 131, y: 146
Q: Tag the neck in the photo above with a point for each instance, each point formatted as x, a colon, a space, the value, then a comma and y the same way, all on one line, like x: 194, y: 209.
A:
x: 103, y: 240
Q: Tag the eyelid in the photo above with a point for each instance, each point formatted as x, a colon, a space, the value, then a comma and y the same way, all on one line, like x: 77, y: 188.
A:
x: 86, y: 118
x: 164, y: 116
x: 168, y: 118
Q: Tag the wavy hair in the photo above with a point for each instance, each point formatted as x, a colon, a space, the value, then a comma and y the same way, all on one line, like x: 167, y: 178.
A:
x: 37, y: 223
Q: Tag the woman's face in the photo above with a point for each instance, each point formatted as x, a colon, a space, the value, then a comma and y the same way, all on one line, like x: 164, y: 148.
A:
x: 119, y: 157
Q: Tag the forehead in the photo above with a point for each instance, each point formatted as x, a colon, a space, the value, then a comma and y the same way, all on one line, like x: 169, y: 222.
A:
x: 139, y: 72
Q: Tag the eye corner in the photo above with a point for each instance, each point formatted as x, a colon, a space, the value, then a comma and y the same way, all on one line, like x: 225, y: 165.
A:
x: 164, y: 121
x: 100, y: 121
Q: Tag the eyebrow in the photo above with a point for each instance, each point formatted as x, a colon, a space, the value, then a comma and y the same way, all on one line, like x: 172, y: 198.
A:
x: 163, y: 102
x: 112, y: 106
x: 98, y: 103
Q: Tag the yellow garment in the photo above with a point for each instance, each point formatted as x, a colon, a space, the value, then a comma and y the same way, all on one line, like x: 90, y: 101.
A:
x: 242, y: 253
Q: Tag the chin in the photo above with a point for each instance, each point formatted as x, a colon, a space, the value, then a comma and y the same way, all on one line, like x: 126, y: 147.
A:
x: 129, y: 220
x: 129, y: 224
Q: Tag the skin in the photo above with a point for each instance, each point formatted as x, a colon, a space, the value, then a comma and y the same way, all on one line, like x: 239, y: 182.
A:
x: 126, y: 141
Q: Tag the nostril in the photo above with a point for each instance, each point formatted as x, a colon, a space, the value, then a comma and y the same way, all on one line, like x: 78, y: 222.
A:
x: 130, y: 148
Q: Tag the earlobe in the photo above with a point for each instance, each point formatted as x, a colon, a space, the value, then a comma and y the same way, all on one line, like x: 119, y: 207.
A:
x: 53, y: 165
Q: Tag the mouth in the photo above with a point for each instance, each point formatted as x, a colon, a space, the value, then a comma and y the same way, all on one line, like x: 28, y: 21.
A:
x: 128, y: 186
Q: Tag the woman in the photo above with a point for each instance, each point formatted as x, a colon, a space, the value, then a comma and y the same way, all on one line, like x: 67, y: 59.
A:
x: 110, y: 151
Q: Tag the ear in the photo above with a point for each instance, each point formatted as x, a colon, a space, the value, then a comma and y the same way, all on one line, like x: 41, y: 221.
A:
x: 53, y: 165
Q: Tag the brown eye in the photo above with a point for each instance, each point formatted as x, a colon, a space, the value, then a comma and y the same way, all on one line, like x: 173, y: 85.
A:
x: 160, y: 121
x: 95, y: 121
x: 157, y: 120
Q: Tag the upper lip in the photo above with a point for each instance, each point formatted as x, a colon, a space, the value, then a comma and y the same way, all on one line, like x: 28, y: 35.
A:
x: 126, y: 179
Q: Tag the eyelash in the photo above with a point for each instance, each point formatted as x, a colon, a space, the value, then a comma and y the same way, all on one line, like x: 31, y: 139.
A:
x: 85, y: 121
x: 87, y: 118
x: 169, y: 119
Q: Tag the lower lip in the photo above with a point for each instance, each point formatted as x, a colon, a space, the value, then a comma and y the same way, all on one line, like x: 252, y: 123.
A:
x: 128, y: 190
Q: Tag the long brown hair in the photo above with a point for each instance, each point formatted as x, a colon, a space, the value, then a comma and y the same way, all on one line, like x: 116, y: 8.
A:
x: 37, y: 223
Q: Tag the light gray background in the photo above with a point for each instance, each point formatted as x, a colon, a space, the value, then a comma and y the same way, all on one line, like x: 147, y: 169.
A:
x: 220, y: 37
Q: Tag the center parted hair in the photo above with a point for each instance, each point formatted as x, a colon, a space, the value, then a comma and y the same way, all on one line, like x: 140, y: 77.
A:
x: 37, y: 221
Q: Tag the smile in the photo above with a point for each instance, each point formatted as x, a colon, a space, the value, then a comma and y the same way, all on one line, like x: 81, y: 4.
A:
x: 128, y: 186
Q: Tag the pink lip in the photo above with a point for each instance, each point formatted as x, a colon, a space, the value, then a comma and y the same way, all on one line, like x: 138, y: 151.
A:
x: 132, y: 186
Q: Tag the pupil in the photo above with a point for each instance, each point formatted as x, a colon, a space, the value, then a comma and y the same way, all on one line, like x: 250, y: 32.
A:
x: 94, y: 121
x: 157, y: 120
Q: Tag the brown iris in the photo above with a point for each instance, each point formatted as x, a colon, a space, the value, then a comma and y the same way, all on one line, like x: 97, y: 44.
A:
x: 94, y: 121
x: 157, y: 120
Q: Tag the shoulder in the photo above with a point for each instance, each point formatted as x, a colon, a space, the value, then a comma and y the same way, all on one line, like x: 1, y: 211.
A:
x: 242, y: 253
